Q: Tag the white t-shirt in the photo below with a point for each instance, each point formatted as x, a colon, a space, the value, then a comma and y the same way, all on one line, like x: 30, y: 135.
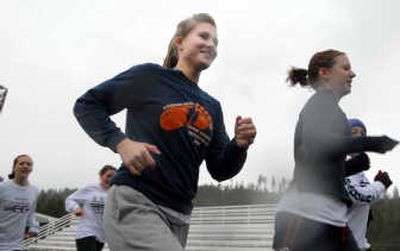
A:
x: 17, y: 211
x: 363, y: 194
x: 314, y: 206
x: 92, y: 197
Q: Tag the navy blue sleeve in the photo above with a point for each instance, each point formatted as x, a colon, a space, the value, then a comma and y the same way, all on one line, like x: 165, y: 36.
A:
x: 224, y: 159
x: 94, y: 108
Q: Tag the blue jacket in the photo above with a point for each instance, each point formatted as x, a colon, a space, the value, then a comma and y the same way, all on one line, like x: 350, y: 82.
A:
x: 166, y: 109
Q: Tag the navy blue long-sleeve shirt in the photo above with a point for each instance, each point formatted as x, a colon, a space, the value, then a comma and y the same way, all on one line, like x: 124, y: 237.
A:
x: 166, y: 109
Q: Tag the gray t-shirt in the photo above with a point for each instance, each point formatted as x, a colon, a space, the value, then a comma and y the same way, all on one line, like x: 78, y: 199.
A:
x: 17, y: 211
x: 92, y: 198
x: 314, y: 206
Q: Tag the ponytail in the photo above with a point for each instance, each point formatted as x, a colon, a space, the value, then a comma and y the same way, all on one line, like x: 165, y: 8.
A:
x: 171, y: 59
x: 298, y: 75
x: 310, y: 77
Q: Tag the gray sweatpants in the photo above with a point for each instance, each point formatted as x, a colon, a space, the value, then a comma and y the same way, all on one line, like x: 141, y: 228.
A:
x: 132, y: 222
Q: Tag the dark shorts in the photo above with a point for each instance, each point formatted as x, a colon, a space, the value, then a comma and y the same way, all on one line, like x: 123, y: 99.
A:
x: 89, y: 244
x: 296, y: 233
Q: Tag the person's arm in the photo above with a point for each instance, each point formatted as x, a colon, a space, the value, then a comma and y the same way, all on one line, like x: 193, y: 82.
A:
x: 357, y: 164
x: 225, y: 158
x: 321, y: 120
x: 378, y: 144
x: 227, y: 162
x: 32, y: 224
x: 94, y: 108
x: 74, y: 202
x: 363, y: 192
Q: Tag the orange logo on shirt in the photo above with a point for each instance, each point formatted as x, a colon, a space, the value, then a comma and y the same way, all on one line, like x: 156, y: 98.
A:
x: 192, y: 115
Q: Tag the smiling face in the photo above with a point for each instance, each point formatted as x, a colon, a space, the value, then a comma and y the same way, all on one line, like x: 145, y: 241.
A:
x: 339, y: 76
x: 23, y: 167
x: 198, y: 49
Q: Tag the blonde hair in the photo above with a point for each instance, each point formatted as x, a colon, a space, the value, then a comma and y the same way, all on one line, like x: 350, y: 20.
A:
x: 183, y: 28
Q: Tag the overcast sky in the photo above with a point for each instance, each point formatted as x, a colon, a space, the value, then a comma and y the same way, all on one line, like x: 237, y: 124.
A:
x: 52, y: 51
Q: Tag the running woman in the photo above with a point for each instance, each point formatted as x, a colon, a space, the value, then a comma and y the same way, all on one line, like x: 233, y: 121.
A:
x: 363, y: 193
x: 312, y: 215
x: 172, y: 126
x: 18, y: 199
x: 88, y: 204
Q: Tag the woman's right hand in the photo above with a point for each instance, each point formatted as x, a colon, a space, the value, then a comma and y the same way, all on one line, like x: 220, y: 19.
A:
x: 136, y: 155
x: 79, y: 211
x: 384, y: 178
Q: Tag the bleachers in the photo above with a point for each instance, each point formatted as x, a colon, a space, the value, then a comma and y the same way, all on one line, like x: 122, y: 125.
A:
x: 221, y: 228
x: 246, y: 227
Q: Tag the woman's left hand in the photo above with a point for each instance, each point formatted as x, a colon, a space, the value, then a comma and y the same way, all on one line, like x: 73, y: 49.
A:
x: 245, y: 132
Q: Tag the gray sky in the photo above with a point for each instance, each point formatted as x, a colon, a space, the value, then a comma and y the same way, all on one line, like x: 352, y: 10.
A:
x: 53, y: 51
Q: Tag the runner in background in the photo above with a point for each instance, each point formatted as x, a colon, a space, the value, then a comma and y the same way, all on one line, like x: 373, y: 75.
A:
x: 312, y: 215
x: 362, y: 192
x: 18, y: 199
x: 88, y: 203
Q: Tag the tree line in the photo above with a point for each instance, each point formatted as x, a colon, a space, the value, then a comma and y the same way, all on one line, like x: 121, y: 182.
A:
x: 51, y: 201
x: 384, y: 229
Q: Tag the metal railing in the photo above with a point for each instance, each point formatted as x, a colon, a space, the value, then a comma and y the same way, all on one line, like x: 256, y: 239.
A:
x: 51, y: 228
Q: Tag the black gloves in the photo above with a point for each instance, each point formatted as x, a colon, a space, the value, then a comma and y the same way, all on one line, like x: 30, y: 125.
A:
x: 383, y: 144
x: 384, y: 178
x: 357, y: 164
